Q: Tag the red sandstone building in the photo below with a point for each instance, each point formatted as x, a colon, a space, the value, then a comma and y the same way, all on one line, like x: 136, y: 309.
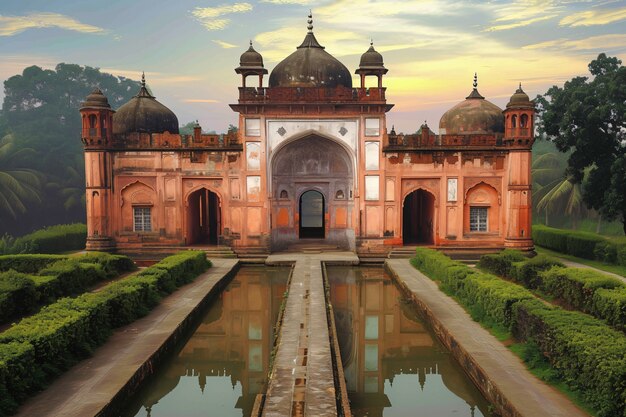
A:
x: 312, y: 159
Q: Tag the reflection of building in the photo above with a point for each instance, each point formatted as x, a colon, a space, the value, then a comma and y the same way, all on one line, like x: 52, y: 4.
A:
x: 308, y: 136
x: 234, y: 339
x: 381, y: 337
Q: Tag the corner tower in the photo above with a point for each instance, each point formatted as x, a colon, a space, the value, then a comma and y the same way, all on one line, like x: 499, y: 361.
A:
x: 97, y: 121
x: 519, y: 133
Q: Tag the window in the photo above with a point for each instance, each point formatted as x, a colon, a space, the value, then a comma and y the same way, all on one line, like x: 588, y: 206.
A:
x: 478, y: 219
x: 371, y: 156
x: 372, y: 127
x: 253, y: 127
x: 142, y: 219
x: 371, y: 187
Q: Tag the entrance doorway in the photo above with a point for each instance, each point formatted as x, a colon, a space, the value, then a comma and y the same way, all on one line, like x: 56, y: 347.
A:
x: 312, y: 215
x: 203, y: 217
x: 417, y: 218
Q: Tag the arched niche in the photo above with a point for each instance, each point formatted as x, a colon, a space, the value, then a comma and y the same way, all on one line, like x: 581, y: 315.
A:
x: 481, y: 212
x: 138, y: 201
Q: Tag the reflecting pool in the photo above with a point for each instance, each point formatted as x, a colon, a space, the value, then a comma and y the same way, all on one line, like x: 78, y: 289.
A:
x: 224, y: 363
x: 394, y: 365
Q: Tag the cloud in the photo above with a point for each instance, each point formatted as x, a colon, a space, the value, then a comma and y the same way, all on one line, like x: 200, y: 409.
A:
x: 594, y: 17
x: 211, y: 17
x: 199, y: 100
x: 12, y: 25
x: 287, y: 1
x: 593, y: 43
x: 223, y: 44
x: 520, y: 23
x: 521, y: 13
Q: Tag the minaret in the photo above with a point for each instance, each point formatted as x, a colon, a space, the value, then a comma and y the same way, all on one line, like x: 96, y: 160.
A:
x: 519, y: 133
x: 371, y: 64
x: 97, y: 119
x: 251, y: 63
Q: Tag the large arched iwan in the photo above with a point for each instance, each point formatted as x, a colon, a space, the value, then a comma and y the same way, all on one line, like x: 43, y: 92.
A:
x: 312, y: 215
x: 418, y: 216
x: 203, y: 218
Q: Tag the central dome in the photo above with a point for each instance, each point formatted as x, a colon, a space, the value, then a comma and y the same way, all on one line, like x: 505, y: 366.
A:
x: 310, y: 66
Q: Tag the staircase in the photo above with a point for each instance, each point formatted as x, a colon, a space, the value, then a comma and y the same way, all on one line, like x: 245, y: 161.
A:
x: 313, y: 246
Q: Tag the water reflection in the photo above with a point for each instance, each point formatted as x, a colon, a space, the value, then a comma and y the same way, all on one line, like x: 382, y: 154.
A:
x: 393, y: 364
x: 224, y: 364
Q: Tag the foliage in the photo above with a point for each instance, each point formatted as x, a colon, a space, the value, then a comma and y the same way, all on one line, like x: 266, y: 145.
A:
x: 581, y: 244
x: 40, y: 121
x: 17, y: 294
x: 52, y: 239
x: 55, y: 277
x: 583, y: 351
x: 68, y: 330
x: 588, y: 118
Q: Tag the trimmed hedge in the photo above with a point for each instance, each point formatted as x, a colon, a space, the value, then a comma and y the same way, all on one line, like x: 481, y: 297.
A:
x: 17, y: 294
x: 583, y: 289
x: 28, y: 264
x: 589, y: 291
x: 586, y: 353
x: 581, y: 244
x: 68, y: 330
x: 52, y: 239
x: 66, y: 276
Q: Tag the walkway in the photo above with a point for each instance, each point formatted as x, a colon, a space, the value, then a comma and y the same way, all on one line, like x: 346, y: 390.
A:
x: 87, y: 388
x: 488, y: 361
x: 302, y: 382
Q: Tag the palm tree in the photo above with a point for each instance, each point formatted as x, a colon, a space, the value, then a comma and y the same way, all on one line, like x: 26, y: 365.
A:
x: 561, y: 196
x: 18, y: 185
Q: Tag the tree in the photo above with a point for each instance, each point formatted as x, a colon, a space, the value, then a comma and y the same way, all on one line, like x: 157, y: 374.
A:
x: 588, y: 117
x: 40, y: 112
x: 18, y: 185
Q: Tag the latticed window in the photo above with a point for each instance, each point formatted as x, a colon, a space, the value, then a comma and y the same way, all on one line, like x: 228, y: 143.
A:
x: 142, y: 219
x: 478, y: 219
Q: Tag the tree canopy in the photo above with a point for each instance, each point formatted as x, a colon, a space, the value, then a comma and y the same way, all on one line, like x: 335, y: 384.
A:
x: 39, y: 134
x: 587, y: 117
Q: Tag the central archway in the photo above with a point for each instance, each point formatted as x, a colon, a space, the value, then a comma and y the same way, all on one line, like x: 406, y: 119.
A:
x: 203, y: 217
x: 418, y: 214
x: 313, y: 193
x: 312, y: 215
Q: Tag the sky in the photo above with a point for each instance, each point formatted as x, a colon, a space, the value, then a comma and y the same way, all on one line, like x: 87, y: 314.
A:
x: 189, y: 48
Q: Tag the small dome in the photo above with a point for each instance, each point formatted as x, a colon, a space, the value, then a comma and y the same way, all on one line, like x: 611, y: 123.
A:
x: 96, y: 100
x: 371, y: 59
x: 310, y: 66
x: 475, y: 115
x: 520, y: 99
x: 144, y: 114
x: 251, y: 58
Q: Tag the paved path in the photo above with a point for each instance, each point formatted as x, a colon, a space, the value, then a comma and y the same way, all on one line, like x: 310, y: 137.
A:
x: 504, y: 375
x: 302, y: 381
x: 89, y: 386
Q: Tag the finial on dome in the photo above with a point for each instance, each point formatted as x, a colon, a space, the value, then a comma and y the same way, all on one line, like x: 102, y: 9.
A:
x: 475, y: 80
x: 520, y: 85
x: 250, y: 42
x: 310, y: 22
x: 143, y: 79
x: 371, y: 42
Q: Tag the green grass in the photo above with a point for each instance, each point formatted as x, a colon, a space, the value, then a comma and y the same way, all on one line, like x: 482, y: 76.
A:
x: 540, y: 367
x: 616, y: 269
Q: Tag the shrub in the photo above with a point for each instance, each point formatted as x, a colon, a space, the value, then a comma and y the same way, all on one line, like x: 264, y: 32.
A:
x: 586, y: 353
x: 63, y: 332
x: 72, y: 277
x: 113, y: 265
x: 52, y: 239
x: 17, y: 294
x: 28, y: 264
x: 583, y: 351
x: 492, y: 297
x: 527, y: 272
x: 621, y: 255
x: 500, y: 263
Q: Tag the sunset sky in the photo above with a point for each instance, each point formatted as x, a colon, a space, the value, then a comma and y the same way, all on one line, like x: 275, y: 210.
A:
x: 189, y: 48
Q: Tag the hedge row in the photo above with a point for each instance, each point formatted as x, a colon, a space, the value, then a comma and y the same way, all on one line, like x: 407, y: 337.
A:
x: 581, y: 244
x: 583, y: 289
x: 52, y: 239
x: 586, y: 353
x: 21, y: 294
x: 42, y: 346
